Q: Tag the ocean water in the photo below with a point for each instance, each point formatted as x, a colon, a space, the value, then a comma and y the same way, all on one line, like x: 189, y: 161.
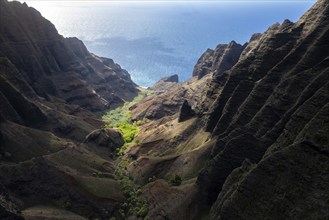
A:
x: 156, y: 39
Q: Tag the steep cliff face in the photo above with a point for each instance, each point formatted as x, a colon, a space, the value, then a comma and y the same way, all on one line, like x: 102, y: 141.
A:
x: 219, y: 60
x: 271, y: 125
x: 216, y: 63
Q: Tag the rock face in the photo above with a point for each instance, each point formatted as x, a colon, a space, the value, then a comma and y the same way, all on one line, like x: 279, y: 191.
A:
x: 271, y: 149
x: 168, y: 97
x: 204, y: 64
x: 166, y: 100
x: 108, y: 138
x: 216, y: 63
x: 219, y: 60
x: 186, y: 112
x: 172, y: 78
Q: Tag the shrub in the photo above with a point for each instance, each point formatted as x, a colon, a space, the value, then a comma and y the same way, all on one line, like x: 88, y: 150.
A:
x: 129, y: 131
x: 176, y: 181
x: 152, y: 179
x: 142, y: 212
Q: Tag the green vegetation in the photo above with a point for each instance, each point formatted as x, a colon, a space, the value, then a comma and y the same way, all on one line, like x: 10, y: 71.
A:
x: 135, y: 205
x: 176, y: 181
x: 121, y: 118
x: 129, y: 131
x: 116, y: 116
x: 122, y: 114
x: 152, y: 179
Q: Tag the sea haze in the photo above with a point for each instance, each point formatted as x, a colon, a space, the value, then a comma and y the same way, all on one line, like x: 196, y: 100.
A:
x: 155, y: 39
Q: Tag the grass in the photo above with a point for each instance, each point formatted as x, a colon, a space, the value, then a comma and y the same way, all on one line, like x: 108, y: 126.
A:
x: 121, y: 118
x: 32, y: 143
x: 122, y: 114
x: 101, y: 187
x: 119, y: 115
x: 48, y: 212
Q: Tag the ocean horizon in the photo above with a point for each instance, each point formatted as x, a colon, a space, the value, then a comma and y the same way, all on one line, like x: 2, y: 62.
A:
x: 156, y: 39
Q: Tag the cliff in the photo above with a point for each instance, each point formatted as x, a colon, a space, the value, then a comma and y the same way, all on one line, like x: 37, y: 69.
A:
x: 270, y: 122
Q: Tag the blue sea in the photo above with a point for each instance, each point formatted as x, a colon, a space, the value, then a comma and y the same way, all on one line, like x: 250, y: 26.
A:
x: 156, y: 39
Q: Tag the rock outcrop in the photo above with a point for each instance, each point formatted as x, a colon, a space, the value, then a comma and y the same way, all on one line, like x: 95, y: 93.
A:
x: 218, y: 61
x: 186, y: 112
x: 172, y: 78
x: 168, y: 97
x: 108, y: 138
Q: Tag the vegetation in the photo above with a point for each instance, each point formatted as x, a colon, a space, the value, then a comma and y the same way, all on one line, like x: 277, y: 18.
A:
x: 122, y: 114
x: 121, y: 118
x: 116, y: 116
x: 129, y: 131
x: 152, y: 179
x: 135, y: 205
x: 176, y: 181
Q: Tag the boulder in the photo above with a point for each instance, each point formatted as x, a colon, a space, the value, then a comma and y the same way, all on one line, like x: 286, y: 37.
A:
x: 105, y: 137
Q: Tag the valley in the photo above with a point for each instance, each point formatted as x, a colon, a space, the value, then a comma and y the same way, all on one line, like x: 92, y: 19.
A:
x: 246, y: 137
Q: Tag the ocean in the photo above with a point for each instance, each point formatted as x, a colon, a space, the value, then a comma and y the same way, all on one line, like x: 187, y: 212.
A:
x: 156, y: 39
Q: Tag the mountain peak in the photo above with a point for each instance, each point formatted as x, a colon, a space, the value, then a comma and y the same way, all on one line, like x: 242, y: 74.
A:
x: 318, y: 14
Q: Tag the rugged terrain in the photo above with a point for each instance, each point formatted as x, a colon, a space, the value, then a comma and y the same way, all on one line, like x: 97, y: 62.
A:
x: 247, y: 137
x: 262, y: 129
x: 52, y: 93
